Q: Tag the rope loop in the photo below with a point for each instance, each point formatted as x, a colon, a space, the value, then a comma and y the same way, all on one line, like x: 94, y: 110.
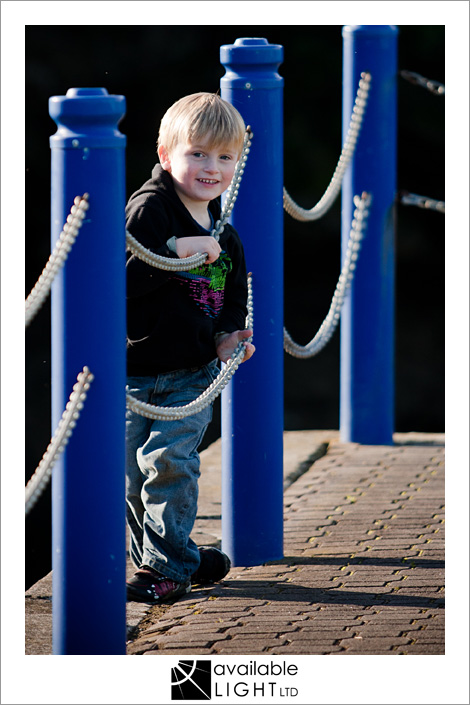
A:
x: 57, y: 259
x: 345, y: 280
x: 39, y: 480
x: 347, y: 153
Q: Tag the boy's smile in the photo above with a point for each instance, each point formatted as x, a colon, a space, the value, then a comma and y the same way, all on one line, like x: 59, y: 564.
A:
x: 200, y: 172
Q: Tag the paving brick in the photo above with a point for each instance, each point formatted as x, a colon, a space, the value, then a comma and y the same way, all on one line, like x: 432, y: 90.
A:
x: 389, y: 629
x: 172, y: 641
x: 432, y: 636
x: 370, y: 645
x: 428, y: 649
x: 317, y: 635
x: 332, y: 621
x: 231, y: 606
x: 312, y: 648
x: 179, y: 650
x: 248, y: 629
x: 239, y: 648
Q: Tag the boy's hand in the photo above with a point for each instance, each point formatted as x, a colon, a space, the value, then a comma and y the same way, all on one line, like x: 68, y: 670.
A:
x: 187, y: 246
x: 227, y: 343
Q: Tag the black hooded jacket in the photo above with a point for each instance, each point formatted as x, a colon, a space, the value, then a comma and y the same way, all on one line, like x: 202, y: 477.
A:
x: 172, y: 317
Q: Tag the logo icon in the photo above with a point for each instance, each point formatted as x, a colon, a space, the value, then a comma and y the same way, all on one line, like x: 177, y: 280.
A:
x: 191, y: 680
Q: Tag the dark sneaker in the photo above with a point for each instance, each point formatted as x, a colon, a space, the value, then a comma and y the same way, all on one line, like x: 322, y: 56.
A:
x: 214, y: 566
x: 146, y: 585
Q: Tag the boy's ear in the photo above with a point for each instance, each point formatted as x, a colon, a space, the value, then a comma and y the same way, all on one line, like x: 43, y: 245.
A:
x: 164, y: 157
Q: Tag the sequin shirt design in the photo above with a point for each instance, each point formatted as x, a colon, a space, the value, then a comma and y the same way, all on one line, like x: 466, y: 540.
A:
x: 205, y: 284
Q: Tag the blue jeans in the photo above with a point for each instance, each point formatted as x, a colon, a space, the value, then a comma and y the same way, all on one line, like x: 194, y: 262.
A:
x: 162, y: 471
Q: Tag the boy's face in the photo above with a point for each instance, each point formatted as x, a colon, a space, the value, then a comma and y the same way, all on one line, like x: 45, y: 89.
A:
x: 200, y: 173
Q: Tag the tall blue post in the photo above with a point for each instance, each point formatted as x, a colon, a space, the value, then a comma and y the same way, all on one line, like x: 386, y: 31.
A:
x: 252, y: 405
x: 367, y: 320
x: 88, y: 328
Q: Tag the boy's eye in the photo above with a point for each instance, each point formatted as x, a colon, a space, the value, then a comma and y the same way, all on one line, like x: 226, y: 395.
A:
x: 202, y: 155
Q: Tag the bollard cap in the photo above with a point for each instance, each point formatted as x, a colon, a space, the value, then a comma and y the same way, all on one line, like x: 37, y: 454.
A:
x: 87, y: 117
x: 370, y: 30
x: 251, y: 50
x: 252, y: 62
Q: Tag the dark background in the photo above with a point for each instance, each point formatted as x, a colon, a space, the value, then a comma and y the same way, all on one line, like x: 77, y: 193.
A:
x: 155, y: 65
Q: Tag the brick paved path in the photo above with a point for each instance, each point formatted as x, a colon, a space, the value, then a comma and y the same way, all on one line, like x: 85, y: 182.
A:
x: 363, y: 571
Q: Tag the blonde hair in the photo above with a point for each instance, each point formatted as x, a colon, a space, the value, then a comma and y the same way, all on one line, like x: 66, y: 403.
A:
x: 202, y: 116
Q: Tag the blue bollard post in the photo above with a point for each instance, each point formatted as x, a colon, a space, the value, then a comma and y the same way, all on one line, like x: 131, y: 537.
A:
x: 88, y: 328
x: 367, y: 320
x: 252, y: 405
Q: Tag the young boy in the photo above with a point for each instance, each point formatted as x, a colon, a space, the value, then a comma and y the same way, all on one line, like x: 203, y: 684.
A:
x: 179, y: 325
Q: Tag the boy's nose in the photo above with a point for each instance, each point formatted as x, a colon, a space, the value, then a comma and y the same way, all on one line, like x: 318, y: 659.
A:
x: 210, y: 166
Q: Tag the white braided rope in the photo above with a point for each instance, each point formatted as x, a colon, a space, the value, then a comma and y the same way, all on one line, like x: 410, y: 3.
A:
x: 163, y: 413
x: 328, y: 327
x: 416, y: 78
x: 39, y: 480
x: 56, y: 260
x: 187, y: 263
x: 413, y: 199
x: 328, y: 198
x: 159, y: 262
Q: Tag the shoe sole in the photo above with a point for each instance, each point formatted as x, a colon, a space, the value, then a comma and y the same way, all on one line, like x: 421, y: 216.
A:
x: 134, y: 595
